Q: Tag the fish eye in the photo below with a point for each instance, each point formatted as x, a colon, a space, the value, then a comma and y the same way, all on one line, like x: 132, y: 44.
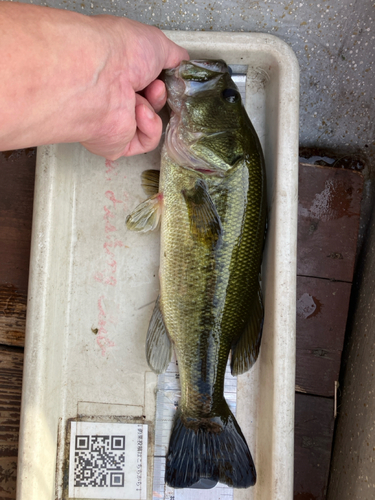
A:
x: 231, y: 95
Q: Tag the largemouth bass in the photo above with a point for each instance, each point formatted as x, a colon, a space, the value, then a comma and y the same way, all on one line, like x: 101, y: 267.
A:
x: 211, y: 198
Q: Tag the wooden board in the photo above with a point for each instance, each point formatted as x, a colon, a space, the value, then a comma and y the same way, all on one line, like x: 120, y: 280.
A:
x: 322, y: 308
x: 328, y: 221
x: 11, y: 364
x: 312, y: 446
x: 12, y: 315
x: 17, y: 173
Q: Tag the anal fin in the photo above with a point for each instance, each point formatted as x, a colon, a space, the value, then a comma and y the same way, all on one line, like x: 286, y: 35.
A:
x: 245, y: 350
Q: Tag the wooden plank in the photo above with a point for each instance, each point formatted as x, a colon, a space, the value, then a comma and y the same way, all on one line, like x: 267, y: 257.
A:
x: 17, y: 173
x: 312, y: 446
x: 12, y: 316
x: 317, y: 370
x: 11, y: 365
x: 322, y: 308
x: 328, y: 221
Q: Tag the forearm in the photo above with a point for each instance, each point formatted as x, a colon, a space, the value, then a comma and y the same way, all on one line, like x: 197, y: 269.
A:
x: 54, y: 76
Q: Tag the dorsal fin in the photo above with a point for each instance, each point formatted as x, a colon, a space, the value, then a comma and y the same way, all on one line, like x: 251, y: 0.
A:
x: 150, y: 181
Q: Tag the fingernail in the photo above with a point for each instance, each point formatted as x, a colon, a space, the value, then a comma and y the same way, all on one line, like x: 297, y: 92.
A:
x: 149, y: 113
x: 163, y: 94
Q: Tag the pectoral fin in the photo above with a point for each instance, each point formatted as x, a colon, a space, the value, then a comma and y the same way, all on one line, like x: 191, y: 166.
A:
x: 205, y: 222
x: 146, y: 216
x: 158, y: 345
x: 246, y: 349
x: 150, y: 181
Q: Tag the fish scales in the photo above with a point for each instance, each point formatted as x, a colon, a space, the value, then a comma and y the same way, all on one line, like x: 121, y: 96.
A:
x: 205, y: 302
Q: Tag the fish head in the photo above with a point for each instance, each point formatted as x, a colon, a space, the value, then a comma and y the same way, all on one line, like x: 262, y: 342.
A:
x: 207, y: 127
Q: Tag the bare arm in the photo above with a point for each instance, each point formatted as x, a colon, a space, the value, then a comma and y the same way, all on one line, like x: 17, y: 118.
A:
x: 66, y: 77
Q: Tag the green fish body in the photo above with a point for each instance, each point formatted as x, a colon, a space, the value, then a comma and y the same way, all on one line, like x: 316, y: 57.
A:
x: 211, y: 197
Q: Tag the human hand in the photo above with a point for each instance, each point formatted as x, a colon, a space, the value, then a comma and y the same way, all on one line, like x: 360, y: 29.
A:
x: 139, y: 53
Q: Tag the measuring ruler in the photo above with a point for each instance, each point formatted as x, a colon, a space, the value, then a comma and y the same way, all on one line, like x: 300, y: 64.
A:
x: 169, y: 395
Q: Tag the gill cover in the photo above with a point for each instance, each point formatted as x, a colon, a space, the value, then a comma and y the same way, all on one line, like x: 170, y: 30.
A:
x: 205, y: 132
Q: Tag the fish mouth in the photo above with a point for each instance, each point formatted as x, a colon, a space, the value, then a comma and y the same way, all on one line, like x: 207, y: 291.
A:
x: 191, y: 69
x: 191, y: 77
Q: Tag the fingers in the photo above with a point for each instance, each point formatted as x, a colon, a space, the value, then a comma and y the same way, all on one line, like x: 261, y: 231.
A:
x: 146, y: 52
x: 165, y: 53
x: 156, y: 94
x: 142, y: 132
x: 173, y: 54
x: 149, y: 129
x: 133, y: 127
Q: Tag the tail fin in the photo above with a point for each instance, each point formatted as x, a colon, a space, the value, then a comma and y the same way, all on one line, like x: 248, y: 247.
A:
x: 211, y: 448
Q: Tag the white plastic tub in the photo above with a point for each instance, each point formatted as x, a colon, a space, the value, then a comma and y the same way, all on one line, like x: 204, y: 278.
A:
x: 93, y: 283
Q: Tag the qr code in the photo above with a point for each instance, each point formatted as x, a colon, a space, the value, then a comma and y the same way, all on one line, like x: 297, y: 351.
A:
x: 99, y: 461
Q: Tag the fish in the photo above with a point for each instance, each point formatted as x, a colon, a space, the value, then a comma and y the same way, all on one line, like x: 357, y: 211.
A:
x: 209, y: 200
